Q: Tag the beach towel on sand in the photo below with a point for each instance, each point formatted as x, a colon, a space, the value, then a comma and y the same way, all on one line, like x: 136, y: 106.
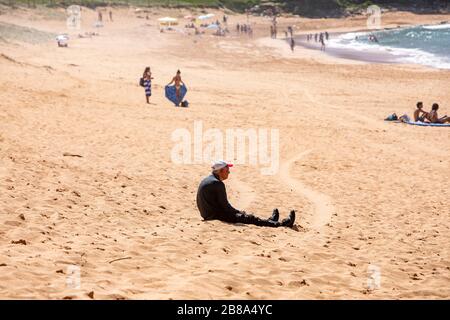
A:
x: 171, y: 94
x: 426, y: 124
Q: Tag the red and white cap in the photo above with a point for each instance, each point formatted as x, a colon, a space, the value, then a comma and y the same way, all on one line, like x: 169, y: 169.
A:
x: 220, y: 164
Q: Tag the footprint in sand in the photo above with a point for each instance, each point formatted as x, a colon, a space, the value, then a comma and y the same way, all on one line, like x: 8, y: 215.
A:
x: 323, y: 207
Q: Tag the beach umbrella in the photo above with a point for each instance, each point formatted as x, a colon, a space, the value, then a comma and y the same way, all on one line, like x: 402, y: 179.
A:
x: 168, y: 21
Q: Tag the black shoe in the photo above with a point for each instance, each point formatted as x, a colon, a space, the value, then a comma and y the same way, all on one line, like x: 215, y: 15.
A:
x: 275, y: 215
x: 289, y: 222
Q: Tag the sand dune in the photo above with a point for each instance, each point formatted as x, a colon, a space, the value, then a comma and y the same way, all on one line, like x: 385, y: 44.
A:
x: 88, y: 187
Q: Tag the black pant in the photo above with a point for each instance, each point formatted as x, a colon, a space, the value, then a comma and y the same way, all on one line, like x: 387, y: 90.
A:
x: 246, y: 218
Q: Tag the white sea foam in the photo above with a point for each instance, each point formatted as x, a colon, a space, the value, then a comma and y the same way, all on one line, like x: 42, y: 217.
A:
x: 402, y: 55
x: 437, y: 27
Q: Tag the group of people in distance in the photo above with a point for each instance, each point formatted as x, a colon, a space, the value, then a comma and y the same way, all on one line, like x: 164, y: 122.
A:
x: 432, y: 117
x: 319, y: 37
x: 100, y: 16
x: 244, y: 29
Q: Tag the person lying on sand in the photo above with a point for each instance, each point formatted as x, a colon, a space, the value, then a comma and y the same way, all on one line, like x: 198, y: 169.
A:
x: 433, y: 115
x: 419, y: 114
x: 213, y: 204
x: 62, y: 40
x: 62, y: 43
x: 178, y: 82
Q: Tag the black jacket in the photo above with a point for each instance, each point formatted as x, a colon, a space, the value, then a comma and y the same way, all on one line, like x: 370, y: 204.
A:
x: 212, y: 199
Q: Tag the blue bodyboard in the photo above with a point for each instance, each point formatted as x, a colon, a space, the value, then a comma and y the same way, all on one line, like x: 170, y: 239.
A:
x: 171, y: 94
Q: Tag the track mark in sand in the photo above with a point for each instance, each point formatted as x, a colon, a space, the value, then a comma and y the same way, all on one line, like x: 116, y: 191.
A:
x: 323, y: 206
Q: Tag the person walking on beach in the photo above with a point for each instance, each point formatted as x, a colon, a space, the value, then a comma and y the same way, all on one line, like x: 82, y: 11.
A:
x: 178, y: 82
x: 327, y: 36
x: 315, y: 37
x: 147, y: 83
x: 213, y: 204
x: 322, y: 44
x: 110, y: 16
x: 292, y: 44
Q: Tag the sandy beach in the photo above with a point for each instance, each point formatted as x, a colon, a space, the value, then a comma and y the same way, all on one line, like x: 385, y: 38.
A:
x: 89, y: 188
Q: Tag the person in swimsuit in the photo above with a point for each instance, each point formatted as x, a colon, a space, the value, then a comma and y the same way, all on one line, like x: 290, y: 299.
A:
x: 433, y: 115
x: 419, y: 114
x: 178, y: 82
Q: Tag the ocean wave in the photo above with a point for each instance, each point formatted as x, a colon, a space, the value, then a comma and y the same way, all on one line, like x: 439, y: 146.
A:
x: 437, y: 27
x: 401, y: 55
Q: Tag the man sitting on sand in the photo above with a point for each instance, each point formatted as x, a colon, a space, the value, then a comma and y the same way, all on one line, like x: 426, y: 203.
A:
x: 433, y: 115
x: 419, y: 114
x: 213, y: 204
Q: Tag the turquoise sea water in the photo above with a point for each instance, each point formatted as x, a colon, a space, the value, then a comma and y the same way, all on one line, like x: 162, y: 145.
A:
x: 427, y: 45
